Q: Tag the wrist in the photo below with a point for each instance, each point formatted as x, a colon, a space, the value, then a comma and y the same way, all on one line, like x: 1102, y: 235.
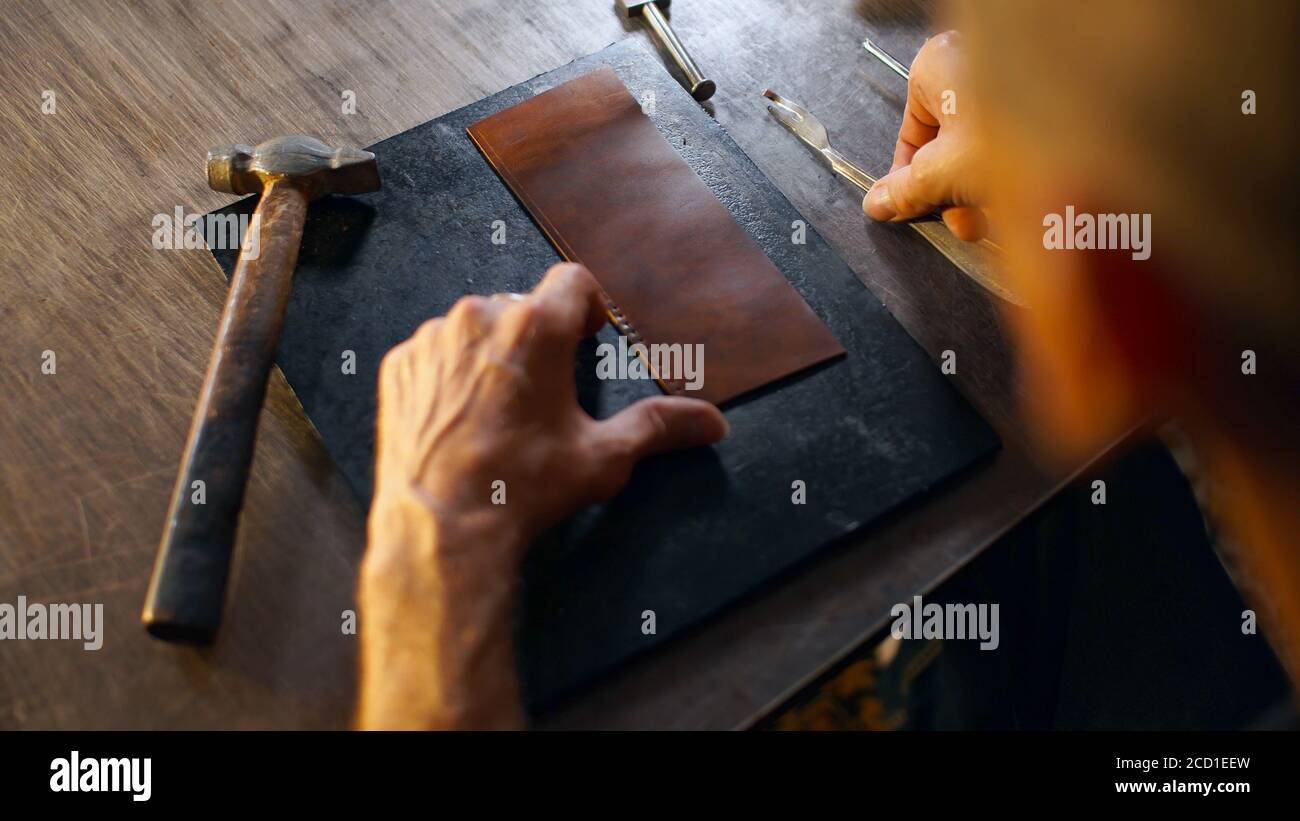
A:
x: 436, y: 594
x: 408, y: 526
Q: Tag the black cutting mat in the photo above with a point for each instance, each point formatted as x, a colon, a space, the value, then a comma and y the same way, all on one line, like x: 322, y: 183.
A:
x: 693, y: 531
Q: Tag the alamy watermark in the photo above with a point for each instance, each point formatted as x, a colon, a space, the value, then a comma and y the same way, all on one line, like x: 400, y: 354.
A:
x: 917, y: 620
x: 220, y: 232
x: 670, y: 363
x: 77, y: 774
x: 55, y: 621
x: 1086, y: 232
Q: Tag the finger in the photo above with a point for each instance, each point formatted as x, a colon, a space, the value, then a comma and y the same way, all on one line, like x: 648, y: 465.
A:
x: 657, y: 425
x: 570, y: 302
x: 918, y: 128
x: 428, y: 328
x: 903, y: 153
x: 966, y: 222
x: 935, y: 177
x: 468, y: 318
x: 930, y: 69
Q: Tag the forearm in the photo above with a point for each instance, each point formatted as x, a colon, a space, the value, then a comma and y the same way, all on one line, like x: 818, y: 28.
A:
x: 436, y: 596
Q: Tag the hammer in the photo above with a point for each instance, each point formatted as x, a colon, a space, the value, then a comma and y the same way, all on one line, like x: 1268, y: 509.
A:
x: 653, y: 12
x: 189, y: 577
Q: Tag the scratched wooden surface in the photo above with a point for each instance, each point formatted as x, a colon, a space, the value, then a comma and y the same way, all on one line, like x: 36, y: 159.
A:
x: 88, y: 454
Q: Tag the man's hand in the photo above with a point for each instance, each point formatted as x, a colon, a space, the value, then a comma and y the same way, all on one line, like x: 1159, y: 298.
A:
x: 479, y: 408
x: 934, y: 159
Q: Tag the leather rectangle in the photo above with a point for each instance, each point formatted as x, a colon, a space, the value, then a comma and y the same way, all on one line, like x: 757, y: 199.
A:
x: 610, y: 192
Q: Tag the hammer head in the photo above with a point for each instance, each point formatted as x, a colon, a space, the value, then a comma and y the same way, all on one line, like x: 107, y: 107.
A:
x: 303, y: 161
x: 631, y: 8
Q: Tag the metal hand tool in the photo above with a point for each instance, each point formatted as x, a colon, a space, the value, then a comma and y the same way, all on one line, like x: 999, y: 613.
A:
x: 886, y: 58
x: 653, y: 12
x: 189, y: 579
x: 902, y: 71
x: 978, y: 260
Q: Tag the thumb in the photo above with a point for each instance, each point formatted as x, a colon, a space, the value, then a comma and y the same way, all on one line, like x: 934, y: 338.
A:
x: 650, y: 426
x: 659, y: 424
x: 938, y: 175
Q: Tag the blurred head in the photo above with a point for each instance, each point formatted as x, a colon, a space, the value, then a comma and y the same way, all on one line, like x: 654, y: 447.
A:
x: 1115, y: 107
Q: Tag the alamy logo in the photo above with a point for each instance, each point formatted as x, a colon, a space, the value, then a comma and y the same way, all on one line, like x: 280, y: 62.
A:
x: 671, y: 363
x: 58, y: 621
x: 946, y: 621
x: 1086, y: 232
x: 220, y: 232
x: 77, y: 774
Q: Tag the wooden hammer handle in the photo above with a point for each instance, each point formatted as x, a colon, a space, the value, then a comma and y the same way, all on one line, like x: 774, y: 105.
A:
x: 189, y: 579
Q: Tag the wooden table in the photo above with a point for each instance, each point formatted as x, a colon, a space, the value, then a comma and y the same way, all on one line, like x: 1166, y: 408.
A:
x: 88, y: 454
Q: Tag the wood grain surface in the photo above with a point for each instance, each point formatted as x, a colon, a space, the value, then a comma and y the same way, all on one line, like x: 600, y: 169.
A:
x: 88, y: 454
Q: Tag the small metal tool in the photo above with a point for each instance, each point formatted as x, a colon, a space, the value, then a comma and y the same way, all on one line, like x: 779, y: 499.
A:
x: 886, y: 58
x: 976, y: 259
x: 808, y: 128
x: 653, y: 12
x: 188, y: 588
x: 902, y: 71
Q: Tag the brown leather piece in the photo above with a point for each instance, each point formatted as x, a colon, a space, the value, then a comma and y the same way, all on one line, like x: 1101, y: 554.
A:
x: 611, y: 193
